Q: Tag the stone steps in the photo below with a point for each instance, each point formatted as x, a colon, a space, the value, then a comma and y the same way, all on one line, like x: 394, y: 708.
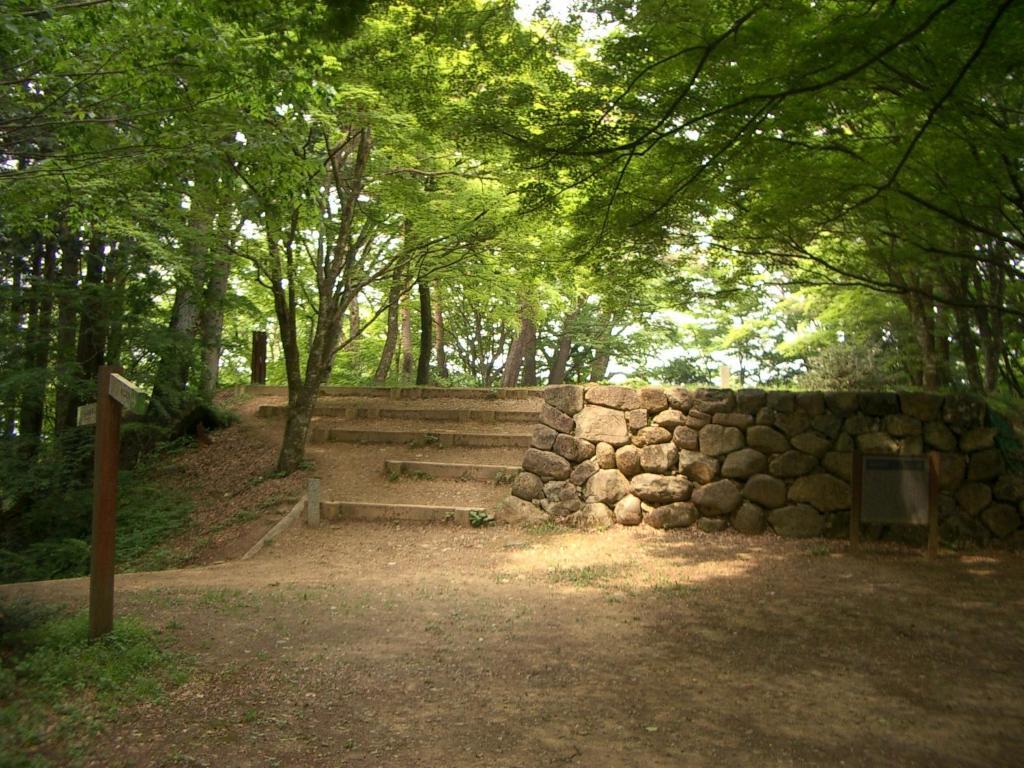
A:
x: 339, y: 511
x: 436, y: 469
x: 414, y: 437
x: 456, y: 415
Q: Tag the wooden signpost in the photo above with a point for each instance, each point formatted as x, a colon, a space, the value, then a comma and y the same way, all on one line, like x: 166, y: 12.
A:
x: 113, y: 393
x: 896, y: 490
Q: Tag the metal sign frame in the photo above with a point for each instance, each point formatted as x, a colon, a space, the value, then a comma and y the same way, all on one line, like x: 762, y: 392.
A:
x: 931, y: 462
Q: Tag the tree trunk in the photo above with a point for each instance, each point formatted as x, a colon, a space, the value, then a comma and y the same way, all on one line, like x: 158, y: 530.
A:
x: 442, y: 359
x: 67, y: 329
x: 426, y: 344
x: 37, y: 345
x: 391, y: 339
x: 407, y: 359
x: 530, y: 356
x: 211, y: 326
x: 922, y: 318
x: 558, y: 366
x: 599, y: 368
x: 176, y: 360
x: 516, y: 352
x: 990, y: 323
x: 92, y: 329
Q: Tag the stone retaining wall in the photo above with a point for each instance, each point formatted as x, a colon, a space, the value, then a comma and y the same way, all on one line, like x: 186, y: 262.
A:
x: 754, y: 460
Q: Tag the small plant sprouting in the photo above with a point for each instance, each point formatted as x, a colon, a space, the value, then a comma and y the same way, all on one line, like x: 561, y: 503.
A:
x: 478, y: 518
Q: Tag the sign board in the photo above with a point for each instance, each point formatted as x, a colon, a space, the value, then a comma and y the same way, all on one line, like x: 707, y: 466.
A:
x: 127, y: 394
x: 894, y: 490
x: 86, y: 414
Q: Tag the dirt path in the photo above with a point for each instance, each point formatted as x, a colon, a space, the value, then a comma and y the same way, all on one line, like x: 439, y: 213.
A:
x: 379, y: 645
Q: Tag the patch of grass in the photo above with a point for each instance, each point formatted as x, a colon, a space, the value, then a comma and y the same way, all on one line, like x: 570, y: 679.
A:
x: 57, y: 687
x: 505, y: 478
x: 819, y: 550
x: 583, y: 575
x: 672, y: 589
x: 547, y: 528
x: 420, y: 476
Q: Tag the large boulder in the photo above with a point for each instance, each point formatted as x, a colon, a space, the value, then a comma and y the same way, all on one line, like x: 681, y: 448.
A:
x: 575, y: 449
x: 767, y: 440
x: 841, y: 403
x: 797, y: 521
x: 749, y: 519
x: 839, y: 463
x: 716, y: 440
x: 555, y: 419
x: 738, y: 420
x: 781, y: 402
x: 952, y: 467
x: 543, y: 437
x: 660, y: 489
x: 628, y: 510
x: 717, y: 499
x: 661, y: 458
x: 605, y: 455
x: 546, y: 465
x: 974, y: 497
x: 811, y: 403
x: 697, y: 419
x: 636, y: 419
x: 598, y: 424
x: 606, y: 486
x: 698, y: 467
x: 680, y: 399
x: 712, y: 401
x: 685, y: 439
x: 986, y: 465
x: 567, y: 398
x: 653, y: 399
x: 793, y: 423
x: 627, y: 460
x: 594, y: 516
x: 744, y: 463
x: 669, y: 419
x: 792, y: 464
x: 619, y: 398
x: 527, y: 486
x: 859, y: 424
x: 712, y: 524
x: 879, y: 403
x: 516, y: 511
x: 1001, y: 519
x: 812, y: 443
x: 939, y: 436
x: 978, y: 439
x: 825, y: 493
x: 1009, y: 488
x: 679, y: 514
x: 750, y: 400
x: 584, y: 471
x: 766, y: 490
x: 901, y: 425
x: 651, y: 436
x: 878, y: 442
x: 921, y: 405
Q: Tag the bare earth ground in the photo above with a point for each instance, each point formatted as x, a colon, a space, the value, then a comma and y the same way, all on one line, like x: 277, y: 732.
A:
x: 402, y: 645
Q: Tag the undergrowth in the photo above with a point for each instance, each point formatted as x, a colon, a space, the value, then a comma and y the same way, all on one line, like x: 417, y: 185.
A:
x: 58, y: 689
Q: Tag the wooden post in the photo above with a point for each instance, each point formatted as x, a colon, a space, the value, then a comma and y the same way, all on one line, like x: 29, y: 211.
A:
x: 933, y: 504
x: 857, y: 483
x: 259, y: 357
x: 313, y: 503
x: 104, y: 508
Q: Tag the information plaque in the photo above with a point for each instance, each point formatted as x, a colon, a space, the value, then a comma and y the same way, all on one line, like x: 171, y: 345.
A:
x: 895, y: 490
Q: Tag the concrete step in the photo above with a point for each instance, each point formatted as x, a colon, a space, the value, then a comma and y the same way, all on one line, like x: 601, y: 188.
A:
x: 420, y: 438
x: 408, y: 393
x: 414, y: 513
x: 437, y: 469
x: 459, y: 415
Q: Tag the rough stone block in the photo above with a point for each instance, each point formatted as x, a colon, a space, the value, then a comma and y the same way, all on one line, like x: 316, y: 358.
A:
x: 1009, y: 488
x: 827, y: 424
x: 605, y: 456
x: 825, y: 493
x: 973, y: 497
x: 669, y: 419
x: 685, y: 439
x: 767, y: 440
x: 567, y: 398
x: 937, y: 435
x: 716, y: 440
x: 978, y: 439
x: 628, y: 510
x: 574, y: 449
x: 797, y: 521
x: 697, y: 419
x: 583, y: 472
x: 714, y: 400
x: 546, y: 465
x: 963, y: 412
x: 765, y: 417
x: 841, y: 403
x: 602, y: 425
x: 792, y: 464
x: 527, y: 486
x: 812, y: 443
x: 750, y: 400
x: 698, y: 467
x: 679, y: 398
x: 878, y: 403
x: 792, y: 423
x: 878, y: 442
x: 921, y: 405
x: 606, y: 486
x: 1001, y: 519
x: 636, y: 419
x: 661, y: 459
x: 619, y: 398
x: 744, y: 463
x: 627, y: 460
x: 901, y: 425
x: 651, y: 436
x: 543, y: 437
x: 594, y: 516
x: 952, y: 467
x: 679, y: 514
x: 712, y: 524
x: 749, y: 519
x: 986, y: 465
x: 781, y: 402
x: 766, y: 490
x: 660, y: 489
x: 516, y: 511
x: 839, y: 463
x: 555, y: 419
x: 654, y: 400
x: 859, y: 424
x: 738, y: 420
x: 717, y: 499
x: 811, y: 403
